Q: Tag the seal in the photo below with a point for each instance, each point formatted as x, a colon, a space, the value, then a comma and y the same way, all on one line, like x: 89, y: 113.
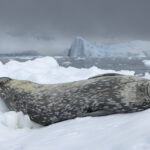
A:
x: 97, y: 96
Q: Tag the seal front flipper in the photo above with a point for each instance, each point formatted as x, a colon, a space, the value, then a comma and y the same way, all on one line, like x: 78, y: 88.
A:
x: 97, y: 113
x: 106, y: 75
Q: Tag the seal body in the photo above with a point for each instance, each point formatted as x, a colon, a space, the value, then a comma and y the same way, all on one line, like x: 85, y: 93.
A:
x: 96, y: 96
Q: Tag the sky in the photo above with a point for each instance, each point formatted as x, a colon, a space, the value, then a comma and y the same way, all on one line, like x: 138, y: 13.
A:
x: 49, y: 26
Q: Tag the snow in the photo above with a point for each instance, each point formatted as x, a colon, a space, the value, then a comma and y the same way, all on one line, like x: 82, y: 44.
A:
x: 146, y: 62
x: 116, y: 132
x: 113, y: 132
x: 46, y: 70
x: 81, y: 48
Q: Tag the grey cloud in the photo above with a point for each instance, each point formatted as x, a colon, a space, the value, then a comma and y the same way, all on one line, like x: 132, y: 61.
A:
x: 38, y: 36
x: 60, y: 21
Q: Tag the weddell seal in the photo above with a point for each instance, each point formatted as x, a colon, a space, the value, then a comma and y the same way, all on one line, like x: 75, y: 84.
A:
x: 97, y: 96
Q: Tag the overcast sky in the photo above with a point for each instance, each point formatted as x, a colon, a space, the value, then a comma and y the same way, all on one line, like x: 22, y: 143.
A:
x: 50, y: 26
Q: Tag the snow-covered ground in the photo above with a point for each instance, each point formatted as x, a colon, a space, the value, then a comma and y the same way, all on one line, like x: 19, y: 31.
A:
x: 114, y: 132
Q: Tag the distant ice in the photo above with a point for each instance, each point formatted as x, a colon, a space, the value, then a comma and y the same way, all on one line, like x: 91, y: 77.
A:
x: 146, y: 62
x: 81, y: 48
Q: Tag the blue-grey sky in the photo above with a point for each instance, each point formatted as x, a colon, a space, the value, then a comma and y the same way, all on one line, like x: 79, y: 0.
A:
x: 49, y: 26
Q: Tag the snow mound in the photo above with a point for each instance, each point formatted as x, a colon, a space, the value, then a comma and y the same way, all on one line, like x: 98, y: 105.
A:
x: 14, y: 120
x: 46, y: 70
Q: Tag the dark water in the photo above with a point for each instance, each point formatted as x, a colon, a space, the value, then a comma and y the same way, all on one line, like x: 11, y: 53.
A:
x: 20, y: 59
x: 135, y: 64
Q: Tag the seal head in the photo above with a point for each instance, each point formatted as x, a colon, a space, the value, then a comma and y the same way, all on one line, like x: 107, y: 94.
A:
x: 3, y: 80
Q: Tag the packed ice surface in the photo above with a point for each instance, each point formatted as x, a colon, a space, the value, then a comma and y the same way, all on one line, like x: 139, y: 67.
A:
x: 114, y: 132
x: 146, y: 62
x: 81, y: 48
x: 46, y: 70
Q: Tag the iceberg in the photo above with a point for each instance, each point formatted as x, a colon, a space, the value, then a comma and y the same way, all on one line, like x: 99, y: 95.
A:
x: 81, y: 48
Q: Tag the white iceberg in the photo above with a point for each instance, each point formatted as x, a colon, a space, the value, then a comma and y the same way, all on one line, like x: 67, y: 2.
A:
x: 81, y: 48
